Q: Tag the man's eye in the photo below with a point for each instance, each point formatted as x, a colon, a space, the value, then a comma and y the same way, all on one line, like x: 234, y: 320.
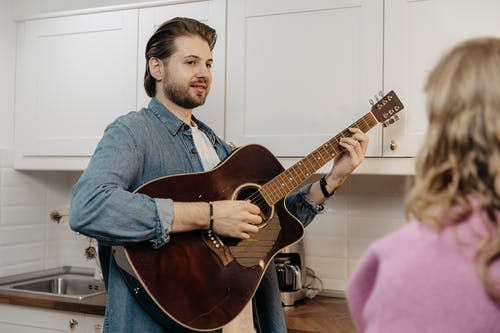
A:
x: 192, y: 62
x: 209, y: 65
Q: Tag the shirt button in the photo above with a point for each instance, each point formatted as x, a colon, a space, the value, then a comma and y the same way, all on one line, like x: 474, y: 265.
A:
x: 193, y: 150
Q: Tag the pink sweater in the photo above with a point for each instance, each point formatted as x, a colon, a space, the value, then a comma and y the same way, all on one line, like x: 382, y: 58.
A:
x: 418, y: 280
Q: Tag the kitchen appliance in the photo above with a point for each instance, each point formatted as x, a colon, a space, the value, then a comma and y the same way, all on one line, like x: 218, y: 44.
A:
x: 291, y: 272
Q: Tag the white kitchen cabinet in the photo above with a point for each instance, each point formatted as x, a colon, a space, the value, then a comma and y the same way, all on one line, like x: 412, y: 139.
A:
x: 23, y: 319
x: 211, y: 12
x: 417, y: 33
x: 75, y: 74
x: 78, y: 71
x: 299, y: 72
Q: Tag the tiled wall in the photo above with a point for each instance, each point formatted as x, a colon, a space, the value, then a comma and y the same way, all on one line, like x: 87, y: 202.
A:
x: 364, y: 209
x: 29, y: 240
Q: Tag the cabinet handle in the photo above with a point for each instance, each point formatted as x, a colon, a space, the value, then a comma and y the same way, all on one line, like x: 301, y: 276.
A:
x: 393, y: 146
x: 73, y: 323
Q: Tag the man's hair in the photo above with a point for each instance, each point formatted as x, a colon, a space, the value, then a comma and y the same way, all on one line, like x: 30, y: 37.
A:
x: 162, y: 44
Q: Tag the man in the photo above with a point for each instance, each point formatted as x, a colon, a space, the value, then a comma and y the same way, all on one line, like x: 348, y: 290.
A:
x: 166, y: 139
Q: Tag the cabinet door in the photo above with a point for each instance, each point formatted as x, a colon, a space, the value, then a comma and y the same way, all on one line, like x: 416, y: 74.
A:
x: 416, y: 35
x: 75, y: 75
x: 25, y: 319
x: 299, y: 72
x: 211, y: 12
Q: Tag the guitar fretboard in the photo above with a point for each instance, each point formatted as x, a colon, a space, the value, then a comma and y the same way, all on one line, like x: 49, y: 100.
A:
x: 278, y: 187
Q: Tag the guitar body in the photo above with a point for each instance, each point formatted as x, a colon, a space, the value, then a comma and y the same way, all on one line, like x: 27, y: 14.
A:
x: 198, y: 280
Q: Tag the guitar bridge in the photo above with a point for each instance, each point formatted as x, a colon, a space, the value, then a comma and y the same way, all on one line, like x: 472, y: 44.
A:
x: 215, y: 239
x: 217, y: 246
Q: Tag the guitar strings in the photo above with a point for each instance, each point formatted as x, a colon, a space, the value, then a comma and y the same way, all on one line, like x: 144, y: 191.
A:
x: 258, y: 199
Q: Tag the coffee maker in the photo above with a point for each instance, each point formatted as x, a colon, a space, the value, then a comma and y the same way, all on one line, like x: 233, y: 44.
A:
x: 291, y: 271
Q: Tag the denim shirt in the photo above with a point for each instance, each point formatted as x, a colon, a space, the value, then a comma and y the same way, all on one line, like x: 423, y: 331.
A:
x: 136, y: 148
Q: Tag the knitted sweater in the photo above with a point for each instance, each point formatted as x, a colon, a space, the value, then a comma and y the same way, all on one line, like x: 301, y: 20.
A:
x: 419, y: 280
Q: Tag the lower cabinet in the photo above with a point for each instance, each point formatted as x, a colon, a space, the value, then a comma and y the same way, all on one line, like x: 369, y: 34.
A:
x: 21, y: 319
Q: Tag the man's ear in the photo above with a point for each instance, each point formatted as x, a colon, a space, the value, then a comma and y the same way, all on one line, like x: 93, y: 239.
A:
x: 156, y: 68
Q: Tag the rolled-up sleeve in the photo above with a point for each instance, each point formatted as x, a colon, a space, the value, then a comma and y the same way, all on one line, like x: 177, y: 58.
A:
x: 103, y: 205
x: 300, y: 205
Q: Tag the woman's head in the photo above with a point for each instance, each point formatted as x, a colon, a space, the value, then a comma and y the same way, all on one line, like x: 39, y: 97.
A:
x: 461, y: 152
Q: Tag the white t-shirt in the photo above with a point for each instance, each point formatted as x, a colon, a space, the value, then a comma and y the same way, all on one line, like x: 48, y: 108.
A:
x: 209, y: 159
x: 208, y: 155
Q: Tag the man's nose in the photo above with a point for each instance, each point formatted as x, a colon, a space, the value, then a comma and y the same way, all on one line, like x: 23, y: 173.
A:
x: 203, y: 71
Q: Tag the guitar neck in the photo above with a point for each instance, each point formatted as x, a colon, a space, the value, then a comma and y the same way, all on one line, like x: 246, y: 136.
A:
x: 278, y: 187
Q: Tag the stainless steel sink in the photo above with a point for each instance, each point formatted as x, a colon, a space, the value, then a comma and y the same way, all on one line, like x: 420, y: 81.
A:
x: 60, y: 282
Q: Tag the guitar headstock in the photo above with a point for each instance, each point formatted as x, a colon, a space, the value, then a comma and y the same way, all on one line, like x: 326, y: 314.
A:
x: 386, y: 108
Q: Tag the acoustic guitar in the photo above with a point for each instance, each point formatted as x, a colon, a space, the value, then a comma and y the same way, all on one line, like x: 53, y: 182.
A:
x: 202, y: 281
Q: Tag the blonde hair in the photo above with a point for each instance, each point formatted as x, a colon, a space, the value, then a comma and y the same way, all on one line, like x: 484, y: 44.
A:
x: 461, y: 153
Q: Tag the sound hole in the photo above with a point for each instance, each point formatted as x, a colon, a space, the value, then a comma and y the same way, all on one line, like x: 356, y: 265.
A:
x: 251, y: 192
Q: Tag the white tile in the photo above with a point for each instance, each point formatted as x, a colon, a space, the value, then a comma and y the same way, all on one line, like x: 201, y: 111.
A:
x: 374, y: 228
x: 59, y: 231
x: 21, y: 254
x: 334, y: 284
x: 357, y: 246
x: 326, y: 247
x: 22, y: 196
x: 20, y: 268
x: 328, y: 267
x: 13, y: 178
x: 25, y: 234
x: 351, y: 265
x: 22, y: 215
x: 377, y: 206
x: 338, y: 204
x: 51, y: 263
x: 328, y: 225
x: 377, y: 185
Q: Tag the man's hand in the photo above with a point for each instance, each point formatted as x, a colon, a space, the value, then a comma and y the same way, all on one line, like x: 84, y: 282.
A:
x: 343, y: 165
x: 238, y: 219
x: 232, y: 218
x: 350, y: 159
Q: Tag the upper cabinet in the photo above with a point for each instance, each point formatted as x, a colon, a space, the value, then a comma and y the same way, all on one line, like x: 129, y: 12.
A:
x: 75, y: 74
x: 288, y: 74
x: 417, y: 33
x: 299, y: 72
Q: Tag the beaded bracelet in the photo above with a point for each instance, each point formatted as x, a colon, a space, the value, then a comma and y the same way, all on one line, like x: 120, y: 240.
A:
x: 211, y: 208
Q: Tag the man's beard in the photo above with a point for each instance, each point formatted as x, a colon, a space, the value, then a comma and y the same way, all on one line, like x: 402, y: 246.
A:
x: 180, y: 95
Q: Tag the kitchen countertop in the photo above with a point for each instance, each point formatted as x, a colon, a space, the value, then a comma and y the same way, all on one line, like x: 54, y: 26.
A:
x: 91, y: 305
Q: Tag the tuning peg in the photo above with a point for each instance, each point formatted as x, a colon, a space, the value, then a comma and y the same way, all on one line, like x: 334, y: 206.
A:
x: 396, y: 117
x: 376, y: 97
x: 371, y: 101
x: 381, y: 93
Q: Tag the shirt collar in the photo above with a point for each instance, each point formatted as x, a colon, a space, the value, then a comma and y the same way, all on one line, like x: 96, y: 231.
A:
x: 170, y: 120
x: 174, y: 124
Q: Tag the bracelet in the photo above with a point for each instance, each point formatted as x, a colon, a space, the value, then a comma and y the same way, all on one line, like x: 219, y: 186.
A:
x: 322, y: 186
x: 211, y: 208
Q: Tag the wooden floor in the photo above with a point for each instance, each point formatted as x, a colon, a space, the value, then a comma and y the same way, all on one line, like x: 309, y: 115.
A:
x: 320, y: 314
